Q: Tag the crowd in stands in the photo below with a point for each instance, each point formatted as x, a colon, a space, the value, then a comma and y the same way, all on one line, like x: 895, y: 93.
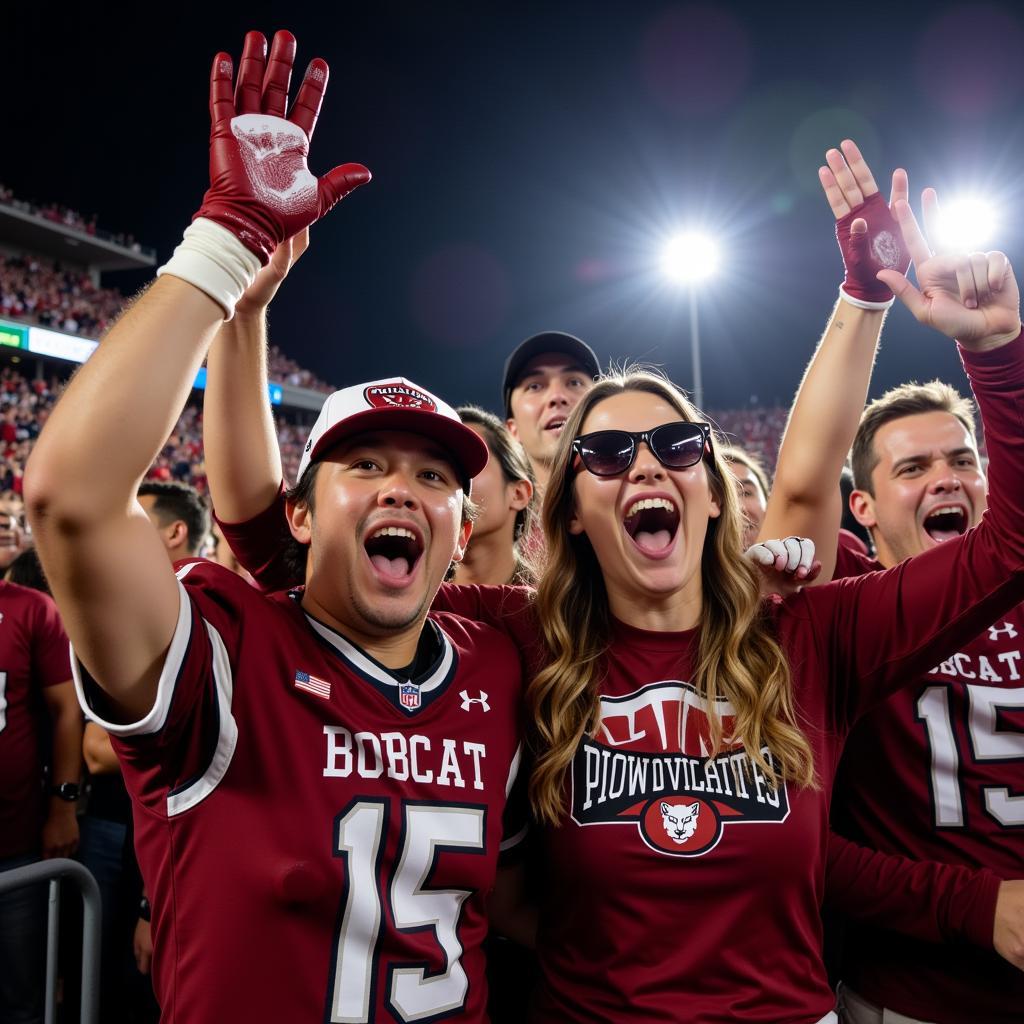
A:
x: 51, y: 295
x: 42, y: 292
x: 287, y: 371
x: 69, y: 218
x: 754, y: 429
x: 25, y: 405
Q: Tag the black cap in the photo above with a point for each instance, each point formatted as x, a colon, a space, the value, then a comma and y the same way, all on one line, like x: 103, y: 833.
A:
x: 535, y: 345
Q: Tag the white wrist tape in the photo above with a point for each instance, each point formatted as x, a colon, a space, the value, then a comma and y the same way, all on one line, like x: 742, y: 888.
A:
x: 863, y: 303
x: 215, y: 261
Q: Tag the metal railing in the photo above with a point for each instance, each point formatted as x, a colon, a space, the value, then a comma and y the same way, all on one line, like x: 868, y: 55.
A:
x: 53, y: 871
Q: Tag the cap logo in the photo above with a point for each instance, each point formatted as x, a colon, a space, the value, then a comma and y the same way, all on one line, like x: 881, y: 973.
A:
x: 398, y: 396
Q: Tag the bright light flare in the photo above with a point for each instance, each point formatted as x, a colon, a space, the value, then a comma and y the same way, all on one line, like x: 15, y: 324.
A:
x: 966, y: 224
x: 689, y: 257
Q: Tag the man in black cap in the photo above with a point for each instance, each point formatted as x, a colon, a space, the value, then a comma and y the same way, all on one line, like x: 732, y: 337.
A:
x: 544, y: 378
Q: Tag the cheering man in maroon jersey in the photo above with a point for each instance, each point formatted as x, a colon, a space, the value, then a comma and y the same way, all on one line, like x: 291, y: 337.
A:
x: 319, y: 780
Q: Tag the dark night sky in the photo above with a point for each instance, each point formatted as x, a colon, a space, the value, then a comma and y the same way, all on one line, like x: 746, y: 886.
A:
x: 528, y: 158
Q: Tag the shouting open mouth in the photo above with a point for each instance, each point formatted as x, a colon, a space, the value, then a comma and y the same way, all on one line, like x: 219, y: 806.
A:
x: 946, y: 523
x: 394, y: 552
x: 652, y: 524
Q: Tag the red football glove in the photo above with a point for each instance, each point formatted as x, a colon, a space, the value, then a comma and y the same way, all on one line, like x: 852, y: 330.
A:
x: 261, y: 189
x: 867, y: 252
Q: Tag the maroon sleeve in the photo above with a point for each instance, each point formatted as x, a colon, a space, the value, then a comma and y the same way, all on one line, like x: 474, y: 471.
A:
x: 851, y: 562
x: 189, y: 729
x: 879, y: 631
x: 923, y: 899
x: 259, y: 544
x: 51, y: 654
x: 509, y: 609
x: 852, y: 542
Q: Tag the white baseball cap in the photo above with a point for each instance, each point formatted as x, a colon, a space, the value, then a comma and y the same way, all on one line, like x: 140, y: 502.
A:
x: 394, y: 403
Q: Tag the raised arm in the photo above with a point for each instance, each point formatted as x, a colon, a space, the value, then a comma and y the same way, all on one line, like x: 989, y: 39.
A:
x: 105, y: 563
x: 805, y: 496
x: 245, y: 478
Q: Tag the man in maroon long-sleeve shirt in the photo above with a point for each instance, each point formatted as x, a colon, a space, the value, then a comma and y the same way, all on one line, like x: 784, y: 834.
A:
x: 938, y: 770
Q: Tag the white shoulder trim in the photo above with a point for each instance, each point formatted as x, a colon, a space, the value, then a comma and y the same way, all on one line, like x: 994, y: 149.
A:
x: 513, y: 841
x: 199, y: 789
x: 513, y: 770
x: 361, y: 662
x: 508, y: 842
x: 155, y: 718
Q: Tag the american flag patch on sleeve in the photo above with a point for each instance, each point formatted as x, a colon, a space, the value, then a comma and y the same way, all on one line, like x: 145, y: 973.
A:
x: 318, y: 687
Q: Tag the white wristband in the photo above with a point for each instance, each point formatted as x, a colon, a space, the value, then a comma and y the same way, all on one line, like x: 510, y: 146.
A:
x: 215, y: 261
x: 863, y: 303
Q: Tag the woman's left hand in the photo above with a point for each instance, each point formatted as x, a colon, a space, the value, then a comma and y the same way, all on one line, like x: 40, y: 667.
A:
x: 786, y: 565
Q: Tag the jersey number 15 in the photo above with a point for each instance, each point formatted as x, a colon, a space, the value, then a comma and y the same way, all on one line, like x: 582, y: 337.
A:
x: 427, y: 830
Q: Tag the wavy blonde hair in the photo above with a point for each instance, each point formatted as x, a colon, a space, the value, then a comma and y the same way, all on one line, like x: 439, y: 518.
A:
x: 739, y: 657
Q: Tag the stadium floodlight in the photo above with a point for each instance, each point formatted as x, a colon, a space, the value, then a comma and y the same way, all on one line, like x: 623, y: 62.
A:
x: 965, y: 224
x: 689, y: 257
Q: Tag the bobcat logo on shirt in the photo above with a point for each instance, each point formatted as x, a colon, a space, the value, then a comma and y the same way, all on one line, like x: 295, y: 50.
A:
x: 398, y: 396
x: 680, y: 821
x: 651, y: 766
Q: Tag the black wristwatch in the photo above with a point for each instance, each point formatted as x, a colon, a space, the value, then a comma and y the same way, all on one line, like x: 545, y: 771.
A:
x: 145, y: 910
x: 69, y: 791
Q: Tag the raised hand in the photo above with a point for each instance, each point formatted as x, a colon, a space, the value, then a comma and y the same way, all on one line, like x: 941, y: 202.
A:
x: 868, y: 234
x: 261, y: 292
x: 972, y: 297
x: 261, y: 188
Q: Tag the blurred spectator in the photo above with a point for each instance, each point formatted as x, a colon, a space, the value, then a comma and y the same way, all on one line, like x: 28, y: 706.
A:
x: 27, y: 571
x: 40, y: 714
x: 753, y: 488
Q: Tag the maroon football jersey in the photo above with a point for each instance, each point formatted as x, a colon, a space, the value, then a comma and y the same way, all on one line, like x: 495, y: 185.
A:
x: 33, y: 655
x: 318, y: 838
x: 937, y: 772
x: 680, y: 885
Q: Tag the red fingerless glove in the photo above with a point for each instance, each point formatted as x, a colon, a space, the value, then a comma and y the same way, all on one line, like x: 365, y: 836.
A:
x: 261, y: 188
x: 879, y: 248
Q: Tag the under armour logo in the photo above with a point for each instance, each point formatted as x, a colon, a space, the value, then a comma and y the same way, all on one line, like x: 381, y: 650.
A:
x: 994, y: 632
x: 481, y: 700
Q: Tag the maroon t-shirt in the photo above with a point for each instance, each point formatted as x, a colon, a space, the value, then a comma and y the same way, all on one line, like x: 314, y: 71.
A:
x: 680, y: 887
x: 937, y: 772
x: 318, y: 838
x: 33, y: 655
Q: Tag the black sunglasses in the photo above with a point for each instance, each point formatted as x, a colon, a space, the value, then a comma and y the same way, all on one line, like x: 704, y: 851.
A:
x: 675, y: 445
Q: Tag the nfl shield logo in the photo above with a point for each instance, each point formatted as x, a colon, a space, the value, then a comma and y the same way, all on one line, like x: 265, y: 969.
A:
x: 409, y: 695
